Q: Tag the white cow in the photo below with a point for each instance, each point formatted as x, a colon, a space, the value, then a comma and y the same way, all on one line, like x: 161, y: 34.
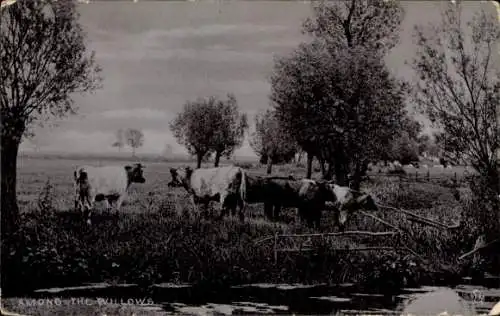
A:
x: 224, y: 184
x: 439, y: 166
x: 449, y: 167
x: 106, y: 183
x: 425, y: 166
x: 397, y: 164
x: 347, y: 200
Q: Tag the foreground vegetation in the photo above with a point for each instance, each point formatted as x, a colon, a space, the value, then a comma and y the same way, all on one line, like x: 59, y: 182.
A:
x: 159, y: 238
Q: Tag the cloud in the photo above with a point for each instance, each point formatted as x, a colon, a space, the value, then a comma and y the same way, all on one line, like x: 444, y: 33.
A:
x: 144, y: 113
x: 209, y: 30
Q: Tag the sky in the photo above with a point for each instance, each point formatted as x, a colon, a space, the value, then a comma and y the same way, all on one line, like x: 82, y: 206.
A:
x: 156, y: 55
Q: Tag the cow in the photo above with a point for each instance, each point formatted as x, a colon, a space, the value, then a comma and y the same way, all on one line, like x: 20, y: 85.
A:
x: 346, y: 201
x: 227, y: 185
x: 277, y: 192
x: 308, y: 196
x: 106, y: 184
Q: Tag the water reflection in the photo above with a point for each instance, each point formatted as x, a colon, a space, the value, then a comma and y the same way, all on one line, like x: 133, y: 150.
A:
x: 343, y: 299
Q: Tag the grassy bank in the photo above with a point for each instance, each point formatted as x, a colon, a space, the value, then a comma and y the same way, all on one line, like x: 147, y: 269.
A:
x: 169, y: 243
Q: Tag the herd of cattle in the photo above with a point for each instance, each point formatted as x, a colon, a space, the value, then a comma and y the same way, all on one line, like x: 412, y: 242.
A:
x: 231, y: 186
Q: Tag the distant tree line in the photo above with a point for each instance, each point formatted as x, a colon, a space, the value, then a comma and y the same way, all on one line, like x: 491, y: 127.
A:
x: 131, y: 137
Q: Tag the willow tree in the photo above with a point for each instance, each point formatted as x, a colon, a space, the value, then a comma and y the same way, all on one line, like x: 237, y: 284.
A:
x: 459, y: 90
x: 271, y: 141
x: 324, y: 78
x: 229, y: 129
x: 43, y: 63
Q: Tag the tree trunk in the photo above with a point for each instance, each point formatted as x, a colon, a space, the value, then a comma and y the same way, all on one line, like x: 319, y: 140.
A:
x: 10, y: 210
x: 323, y: 168
x: 340, y: 173
x: 498, y: 166
x: 269, y: 165
x: 329, y: 171
x: 217, y: 159
x: 310, y: 158
x: 356, y: 178
x: 199, y: 158
x: 299, y: 158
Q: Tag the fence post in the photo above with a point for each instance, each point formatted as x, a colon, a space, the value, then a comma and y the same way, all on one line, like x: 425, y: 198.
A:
x: 428, y: 175
x: 275, y: 248
x: 456, y: 177
x: 416, y: 176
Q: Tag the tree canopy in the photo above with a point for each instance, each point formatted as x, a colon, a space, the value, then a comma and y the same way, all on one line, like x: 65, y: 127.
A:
x: 373, y: 24
x: 330, y: 102
x: 210, y: 125
x: 229, y: 129
x: 134, y: 138
x: 271, y: 141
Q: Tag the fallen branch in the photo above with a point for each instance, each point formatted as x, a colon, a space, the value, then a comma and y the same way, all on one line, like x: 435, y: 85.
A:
x: 356, y: 232
x: 262, y: 240
x: 476, y: 249
x: 430, y: 223
x: 381, y: 220
x: 420, y: 219
x: 343, y: 249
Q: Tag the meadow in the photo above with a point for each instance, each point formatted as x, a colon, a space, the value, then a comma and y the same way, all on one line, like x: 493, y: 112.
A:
x: 159, y: 238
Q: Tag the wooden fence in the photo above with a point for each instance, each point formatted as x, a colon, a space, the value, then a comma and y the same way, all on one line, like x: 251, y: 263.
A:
x: 300, y: 246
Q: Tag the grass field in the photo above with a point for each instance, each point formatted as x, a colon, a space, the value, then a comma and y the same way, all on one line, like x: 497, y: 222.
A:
x: 159, y: 238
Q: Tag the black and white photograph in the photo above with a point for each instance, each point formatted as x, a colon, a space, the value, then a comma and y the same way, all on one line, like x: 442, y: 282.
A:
x: 250, y: 157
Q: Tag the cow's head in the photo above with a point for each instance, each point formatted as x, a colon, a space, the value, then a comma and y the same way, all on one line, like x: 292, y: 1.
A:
x: 347, y: 201
x: 365, y: 201
x: 135, y: 174
x: 180, y: 177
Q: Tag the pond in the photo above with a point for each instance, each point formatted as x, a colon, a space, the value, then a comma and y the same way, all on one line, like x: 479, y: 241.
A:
x: 342, y: 299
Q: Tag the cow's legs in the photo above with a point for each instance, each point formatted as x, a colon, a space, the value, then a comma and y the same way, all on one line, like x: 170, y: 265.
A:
x: 195, y: 207
x: 342, y: 219
x: 107, y: 206
x: 276, y: 215
x: 317, y: 218
x: 268, y: 210
x: 241, y: 204
x: 223, y: 205
x: 301, y: 215
x: 88, y: 206
x: 87, y: 212
x: 119, y: 203
x: 206, y: 209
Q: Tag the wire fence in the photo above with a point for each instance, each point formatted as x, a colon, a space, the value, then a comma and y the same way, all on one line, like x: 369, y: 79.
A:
x: 449, y: 179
